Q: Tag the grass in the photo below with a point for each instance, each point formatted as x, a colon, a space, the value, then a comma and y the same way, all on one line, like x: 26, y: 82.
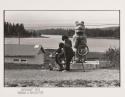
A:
x: 46, y: 78
x: 113, y: 55
x: 64, y: 83
x: 76, y: 78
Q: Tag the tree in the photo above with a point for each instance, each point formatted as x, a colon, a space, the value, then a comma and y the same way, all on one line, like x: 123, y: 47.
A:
x: 15, y: 30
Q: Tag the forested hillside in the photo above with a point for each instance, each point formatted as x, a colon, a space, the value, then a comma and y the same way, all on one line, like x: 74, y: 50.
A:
x: 18, y: 30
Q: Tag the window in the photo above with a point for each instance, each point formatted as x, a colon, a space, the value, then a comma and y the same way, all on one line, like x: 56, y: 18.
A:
x: 23, y: 60
x: 16, y: 60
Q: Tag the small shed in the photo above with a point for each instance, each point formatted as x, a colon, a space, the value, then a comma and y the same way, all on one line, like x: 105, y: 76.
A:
x: 24, y: 54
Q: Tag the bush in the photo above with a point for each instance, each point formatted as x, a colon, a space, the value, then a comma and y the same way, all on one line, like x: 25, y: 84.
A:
x: 113, y: 55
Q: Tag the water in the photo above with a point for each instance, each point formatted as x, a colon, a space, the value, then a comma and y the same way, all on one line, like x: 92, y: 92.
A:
x: 96, y: 45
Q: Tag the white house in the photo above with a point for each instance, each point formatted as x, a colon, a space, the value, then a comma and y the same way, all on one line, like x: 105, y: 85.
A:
x: 24, y: 54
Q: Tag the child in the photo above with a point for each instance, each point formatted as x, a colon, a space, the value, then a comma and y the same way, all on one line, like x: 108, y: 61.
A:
x: 68, y: 51
x: 67, y: 41
x: 59, y: 56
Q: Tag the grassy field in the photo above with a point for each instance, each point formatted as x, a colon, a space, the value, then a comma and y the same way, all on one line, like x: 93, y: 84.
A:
x: 74, y: 78
x: 20, y: 77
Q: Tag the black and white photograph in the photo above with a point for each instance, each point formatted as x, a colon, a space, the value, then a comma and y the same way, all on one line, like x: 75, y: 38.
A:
x: 62, y: 48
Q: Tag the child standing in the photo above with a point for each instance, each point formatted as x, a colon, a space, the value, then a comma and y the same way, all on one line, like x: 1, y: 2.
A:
x: 68, y: 51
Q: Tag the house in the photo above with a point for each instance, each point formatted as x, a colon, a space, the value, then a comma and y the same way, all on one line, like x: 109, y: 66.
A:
x: 24, y: 54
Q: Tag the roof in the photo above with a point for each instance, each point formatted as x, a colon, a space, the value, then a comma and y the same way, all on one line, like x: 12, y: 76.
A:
x: 21, y: 50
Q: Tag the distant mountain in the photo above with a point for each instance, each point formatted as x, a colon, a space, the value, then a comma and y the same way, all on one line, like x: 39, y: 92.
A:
x: 110, y: 28
x: 41, y: 28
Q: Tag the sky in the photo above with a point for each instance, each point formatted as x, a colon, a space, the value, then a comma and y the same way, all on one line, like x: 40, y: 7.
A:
x: 42, y: 19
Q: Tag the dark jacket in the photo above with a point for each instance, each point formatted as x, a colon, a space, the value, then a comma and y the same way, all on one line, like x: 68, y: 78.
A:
x: 68, y: 51
x: 68, y: 43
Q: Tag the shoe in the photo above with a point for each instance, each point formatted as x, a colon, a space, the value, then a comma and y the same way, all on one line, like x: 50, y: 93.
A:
x: 65, y: 70
x: 68, y: 70
x: 60, y: 70
x: 85, y: 62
